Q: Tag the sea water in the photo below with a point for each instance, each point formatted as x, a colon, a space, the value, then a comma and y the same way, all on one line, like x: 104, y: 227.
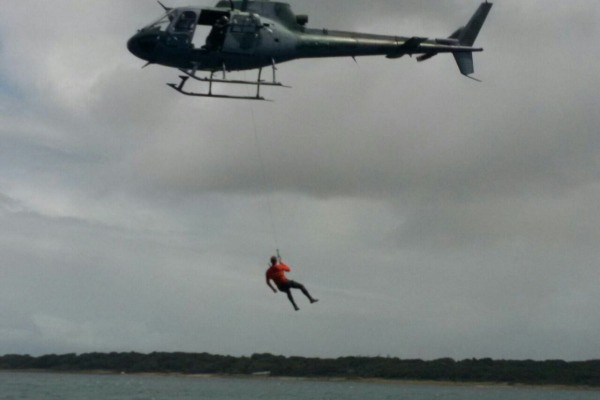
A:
x: 50, y: 386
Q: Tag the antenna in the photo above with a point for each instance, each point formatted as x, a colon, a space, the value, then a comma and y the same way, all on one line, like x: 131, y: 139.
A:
x: 167, y: 9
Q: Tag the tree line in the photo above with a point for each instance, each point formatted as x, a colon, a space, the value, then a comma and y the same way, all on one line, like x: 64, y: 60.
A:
x: 550, y: 372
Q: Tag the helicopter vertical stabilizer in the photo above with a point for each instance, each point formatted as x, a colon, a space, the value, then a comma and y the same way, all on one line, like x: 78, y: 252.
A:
x: 467, y: 35
x: 465, y: 63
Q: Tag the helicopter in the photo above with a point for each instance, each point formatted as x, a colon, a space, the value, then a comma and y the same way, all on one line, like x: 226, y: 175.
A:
x: 257, y: 34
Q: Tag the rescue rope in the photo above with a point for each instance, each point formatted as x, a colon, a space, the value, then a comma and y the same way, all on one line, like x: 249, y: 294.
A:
x: 265, y: 181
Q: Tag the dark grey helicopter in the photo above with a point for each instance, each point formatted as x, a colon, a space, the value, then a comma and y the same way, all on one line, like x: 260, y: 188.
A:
x: 253, y: 34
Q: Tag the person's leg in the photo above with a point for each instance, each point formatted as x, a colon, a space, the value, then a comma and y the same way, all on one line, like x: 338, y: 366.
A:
x: 289, y: 294
x: 297, y: 285
x: 285, y: 287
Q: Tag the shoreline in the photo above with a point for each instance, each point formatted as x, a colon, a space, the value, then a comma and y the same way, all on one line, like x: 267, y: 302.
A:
x: 264, y: 376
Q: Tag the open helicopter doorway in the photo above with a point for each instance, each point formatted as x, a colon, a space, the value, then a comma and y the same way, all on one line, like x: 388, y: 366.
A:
x: 199, y: 40
x: 211, y: 30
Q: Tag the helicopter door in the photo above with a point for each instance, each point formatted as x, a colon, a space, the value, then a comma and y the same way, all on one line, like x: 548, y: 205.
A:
x: 182, y: 29
x: 244, y: 34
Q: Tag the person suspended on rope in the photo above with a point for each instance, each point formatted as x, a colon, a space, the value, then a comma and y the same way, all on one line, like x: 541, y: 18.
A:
x: 276, y: 273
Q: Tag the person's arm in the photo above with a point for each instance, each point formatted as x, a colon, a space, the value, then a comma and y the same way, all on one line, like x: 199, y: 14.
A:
x: 284, y: 267
x: 271, y: 286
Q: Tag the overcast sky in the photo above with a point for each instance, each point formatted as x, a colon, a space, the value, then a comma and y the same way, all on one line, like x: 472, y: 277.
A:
x: 434, y: 216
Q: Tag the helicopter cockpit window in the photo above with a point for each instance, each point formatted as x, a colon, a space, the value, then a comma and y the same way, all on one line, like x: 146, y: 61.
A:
x: 163, y: 22
x: 245, y: 24
x: 186, y: 22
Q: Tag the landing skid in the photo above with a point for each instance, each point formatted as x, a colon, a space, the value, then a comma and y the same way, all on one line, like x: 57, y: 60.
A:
x: 179, y: 88
x: 210, y: 80
x: 237, y: 82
